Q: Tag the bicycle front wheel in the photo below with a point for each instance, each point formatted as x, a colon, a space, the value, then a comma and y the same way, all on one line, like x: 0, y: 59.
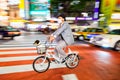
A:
x: 41, y: 64
x: 72, y: 61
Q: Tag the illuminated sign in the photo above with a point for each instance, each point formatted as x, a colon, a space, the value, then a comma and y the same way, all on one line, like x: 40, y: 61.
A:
x: 13, y: 2
x: 115, y: 16
x: 27, y: 9
x: 118, y: 5
x: 94, y: 15
x: 39, y: 9
x: 22, y: 8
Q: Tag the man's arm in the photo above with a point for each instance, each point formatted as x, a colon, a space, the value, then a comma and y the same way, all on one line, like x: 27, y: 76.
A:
x: 60, y: 30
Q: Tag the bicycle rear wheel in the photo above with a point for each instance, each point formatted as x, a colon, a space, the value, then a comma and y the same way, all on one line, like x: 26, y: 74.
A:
x: 41, y: 64
x: 72, y: 61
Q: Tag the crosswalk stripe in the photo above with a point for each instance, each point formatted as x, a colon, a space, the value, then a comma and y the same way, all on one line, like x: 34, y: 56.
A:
x: 13, y: 63
x: 16, y: 48
x: 24, y: 68
x: 17, y: 58
x: 16, y: 45
x: 19, y: 52
x: 15, y: 55
x: 69, y: 77
x: 23, y: 42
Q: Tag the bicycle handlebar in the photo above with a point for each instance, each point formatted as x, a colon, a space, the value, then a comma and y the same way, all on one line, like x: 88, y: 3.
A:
x: 37, y: 43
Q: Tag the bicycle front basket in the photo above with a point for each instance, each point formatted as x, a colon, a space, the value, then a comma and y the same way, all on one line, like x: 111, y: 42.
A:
x: 41, y: 49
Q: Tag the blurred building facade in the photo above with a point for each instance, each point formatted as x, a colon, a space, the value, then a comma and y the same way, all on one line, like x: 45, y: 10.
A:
x: 111, y: 12
x: 17, y: 12
x: 4, y: 15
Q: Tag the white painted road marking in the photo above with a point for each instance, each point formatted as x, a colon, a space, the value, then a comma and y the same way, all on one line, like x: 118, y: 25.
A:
x: 5, y: 59
x: 19, y: 52
x: 21, y: 67
x: 24, y: 68
x: 16, y: 48
x: 69, y: 77
x: 19, y: 45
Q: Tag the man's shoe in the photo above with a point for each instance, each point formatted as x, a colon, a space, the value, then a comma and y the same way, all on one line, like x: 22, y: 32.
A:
x: 64, y: 59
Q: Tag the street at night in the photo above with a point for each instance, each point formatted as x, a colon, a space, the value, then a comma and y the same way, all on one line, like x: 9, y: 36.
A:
x: 59, y: 39
x: 17, y: 56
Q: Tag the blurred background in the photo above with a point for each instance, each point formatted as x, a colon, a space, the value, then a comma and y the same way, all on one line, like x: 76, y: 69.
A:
x: 96, y: 29
x: 31, y: 14
x: 20, y: 18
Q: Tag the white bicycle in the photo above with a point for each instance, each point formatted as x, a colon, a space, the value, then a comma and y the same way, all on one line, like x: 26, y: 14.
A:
x: 46, y: 51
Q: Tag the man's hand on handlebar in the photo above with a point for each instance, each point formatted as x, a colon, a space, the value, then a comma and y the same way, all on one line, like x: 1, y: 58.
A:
x: 51, y: 38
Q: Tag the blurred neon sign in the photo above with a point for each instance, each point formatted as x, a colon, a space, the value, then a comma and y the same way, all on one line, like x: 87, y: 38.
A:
x: 95, y: 14
x: 39, y: 9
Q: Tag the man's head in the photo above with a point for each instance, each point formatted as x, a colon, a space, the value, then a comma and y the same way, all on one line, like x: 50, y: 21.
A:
x: 61, y: 18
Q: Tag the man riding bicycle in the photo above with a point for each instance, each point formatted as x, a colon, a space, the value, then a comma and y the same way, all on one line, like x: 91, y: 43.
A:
x: 63, y: 37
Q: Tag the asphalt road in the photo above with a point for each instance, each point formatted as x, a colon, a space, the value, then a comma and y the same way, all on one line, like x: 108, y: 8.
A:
x: 17, y: 56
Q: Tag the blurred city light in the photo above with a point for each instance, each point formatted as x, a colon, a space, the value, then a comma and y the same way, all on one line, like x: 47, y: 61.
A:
x: 20, y: 13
